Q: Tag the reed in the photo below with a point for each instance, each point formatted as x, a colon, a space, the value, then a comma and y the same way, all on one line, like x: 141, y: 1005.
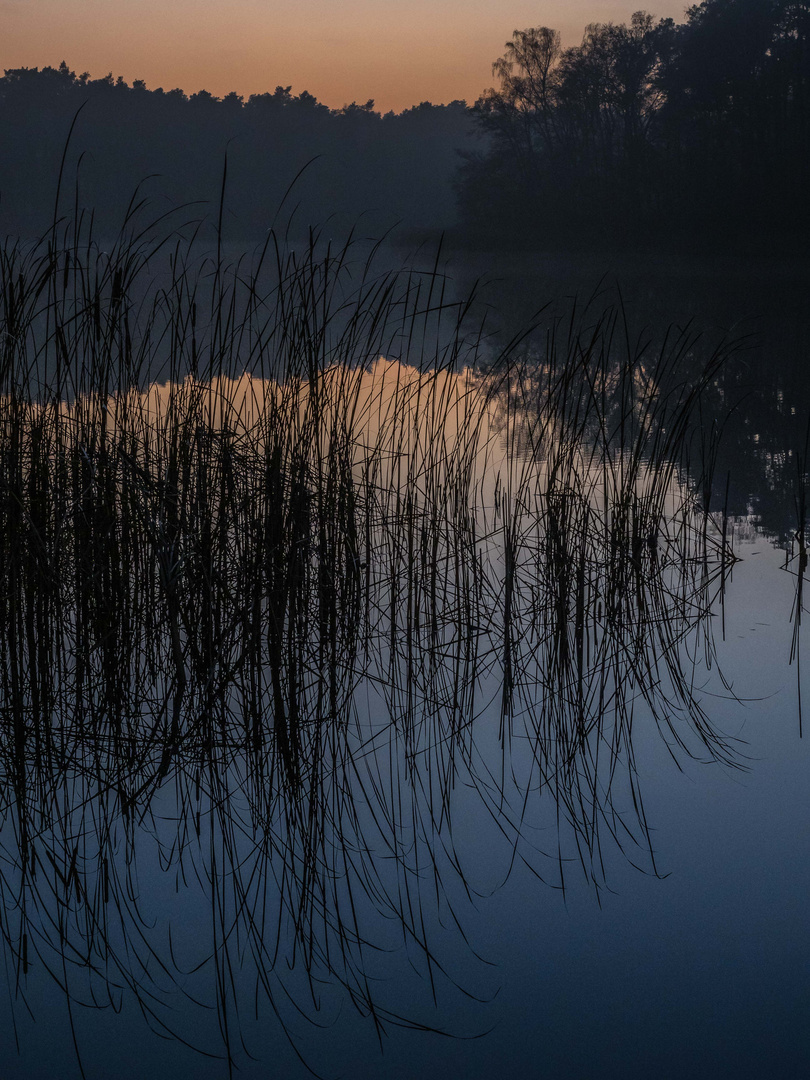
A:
x: 293, y: 558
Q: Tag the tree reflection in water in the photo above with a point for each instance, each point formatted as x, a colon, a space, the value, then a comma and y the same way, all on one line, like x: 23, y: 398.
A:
x: 281, y: 621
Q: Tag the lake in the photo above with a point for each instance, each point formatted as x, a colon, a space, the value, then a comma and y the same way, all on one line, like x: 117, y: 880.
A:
x: 382, y: 696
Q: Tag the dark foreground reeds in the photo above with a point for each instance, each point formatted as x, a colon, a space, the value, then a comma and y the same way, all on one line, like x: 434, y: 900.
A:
x: 296, y: 570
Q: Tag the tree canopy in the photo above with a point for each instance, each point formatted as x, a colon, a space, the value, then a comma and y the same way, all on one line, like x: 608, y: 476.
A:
x: 698, y: 128
x: 351, y: 160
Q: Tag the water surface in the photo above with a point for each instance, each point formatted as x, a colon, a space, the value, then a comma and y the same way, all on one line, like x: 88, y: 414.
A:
x: 340, y: 706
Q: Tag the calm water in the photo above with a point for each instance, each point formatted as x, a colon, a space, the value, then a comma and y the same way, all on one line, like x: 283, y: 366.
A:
x: 704, y: 971
x: 679, y: 944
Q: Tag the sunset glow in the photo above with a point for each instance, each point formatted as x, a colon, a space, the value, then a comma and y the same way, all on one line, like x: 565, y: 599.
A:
x: 398, y: 54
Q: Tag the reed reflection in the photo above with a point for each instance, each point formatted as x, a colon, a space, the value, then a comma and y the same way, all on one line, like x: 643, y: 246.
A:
x: 279, y: 623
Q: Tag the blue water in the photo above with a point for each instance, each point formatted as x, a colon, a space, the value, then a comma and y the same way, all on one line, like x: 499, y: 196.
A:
x: 703, y: 971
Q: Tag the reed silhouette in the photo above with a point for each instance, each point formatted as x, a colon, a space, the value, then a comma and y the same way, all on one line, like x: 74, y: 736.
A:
x: 292, y: 560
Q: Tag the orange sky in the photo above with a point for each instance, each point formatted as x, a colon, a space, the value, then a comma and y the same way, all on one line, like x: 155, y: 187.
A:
x: 399, y: 52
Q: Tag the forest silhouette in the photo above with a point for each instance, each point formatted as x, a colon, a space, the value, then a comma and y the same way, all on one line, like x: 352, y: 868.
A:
x: 651, y: 130
x: 347, y: 162
x: 646, y: 131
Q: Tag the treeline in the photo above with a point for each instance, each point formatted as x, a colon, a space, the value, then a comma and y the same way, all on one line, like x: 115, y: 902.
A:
x: 645, y: 131
x: 699, y: 131
x: 355, y: 161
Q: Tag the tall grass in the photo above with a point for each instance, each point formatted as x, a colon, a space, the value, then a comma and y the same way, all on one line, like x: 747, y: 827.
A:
x: 293, y: 559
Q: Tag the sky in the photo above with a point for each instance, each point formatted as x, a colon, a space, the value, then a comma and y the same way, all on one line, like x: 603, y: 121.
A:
x: 398, y: 52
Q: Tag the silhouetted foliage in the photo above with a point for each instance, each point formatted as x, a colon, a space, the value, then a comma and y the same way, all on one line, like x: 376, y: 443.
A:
x: 285, y: 615
x: 400, y: 165
x: 650, y: 128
